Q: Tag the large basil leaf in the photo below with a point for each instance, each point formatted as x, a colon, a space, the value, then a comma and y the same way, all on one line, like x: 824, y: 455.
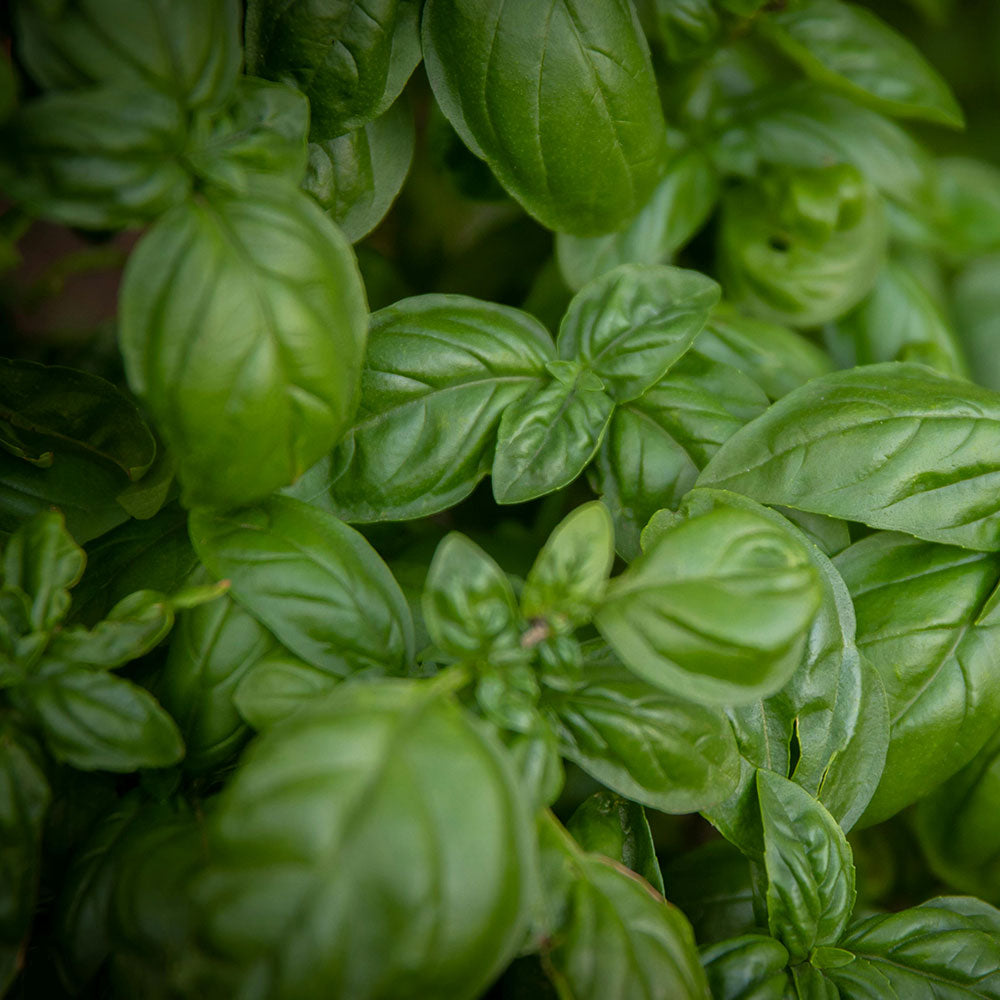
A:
x: 212, y: 648
x: 650, y: 746
x: 833, y: 708
x: 678, y: 208
x: 440, y: 371
x: 350, y: 59
x: 958, y: 829
x: 381, y: 839
x: 46, y: 408
x: 94, y: 720
x: 631, y: 325
x: 101, y: 159
x: 976, y: 309
x: 776, y: 358
x: 243, y: 328
x: 801, y: 246
x: 539, y: 90
x: 894, y: 446
x: 927, y: 620
x: 356, y: 176
x: 608, y: 932
x: 313, y: 581
x: 750, y: 967
x: 189, y: 49
x: 546, y: 440
x: 716, y: 610
x: 848, y: 47
x: 810, y: 870
x: 24, y: 799
x: 946, y: 947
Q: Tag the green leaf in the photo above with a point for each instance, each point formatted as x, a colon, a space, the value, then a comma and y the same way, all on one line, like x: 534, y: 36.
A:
x: 848, y: 47
x: 568, y: 578
x: 94, y: 720
x: 894, y: 446
x: 946, y: 947
x: 381, y: 840
x: 716, y: 610
x: 631, y: 325
x: 607, y: 824
x: 687, y: 29
x: 774, y: 357
x: 312, y: 581
x: 262, y: 131
x: 42, y: 559
x: 189, y: 49
x: 99, y: 159
x: 469, y: 605
x: 47, y: 408
x: 750, y: 967
x: 810, y: 869
x: 134, y: 626
x: 439, y: 372
x: 277, y: 685
x: 356, y: 176
x: 243, y: 329
x: 546, y: 440
x: 351, y: 60
x: 680, y: 205
x: 212, y: 649
x: 968, y: 220
x: 536, y: 90
x: 663, y: 751
x: 608, y: 932
x: 24, y: 800
x: 801, y: 246
x: 927, y: 620
x: 976, y: 310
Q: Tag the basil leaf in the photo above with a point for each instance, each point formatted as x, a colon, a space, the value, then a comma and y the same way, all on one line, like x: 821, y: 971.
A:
x: 686, y: 28
x: 650, y: 746
x: 607, y: 824
x: 534, y: 103
x: 245, y: 315
x: 312, y: 581
x: 801, y: 246
x: 850, y: 48
x: 100, y: 159
x: 351, y: 61
x: 263, y: 131
x: 213, y: 648
x: 931, y: 950
x: 538, y: 765
x: 94, y: 720
x: 927, y: 616
x: 750, y: 967
x: 716, y: 610
x: 631, y: 325
x: 680, y: 205
x: 189, y: 49
x: 304, y: 836
x: 568, y: 578
x: 440, y: 371
x: 547, y: 439
x: 597, y: 908
x: 357, y: 176
x: 24, y: 800
x: 774, y: 357
x: 275, y: 686
x: 810, y: 869
x: 969, y: 213
x: 894, y: 446
x: 976, y: 309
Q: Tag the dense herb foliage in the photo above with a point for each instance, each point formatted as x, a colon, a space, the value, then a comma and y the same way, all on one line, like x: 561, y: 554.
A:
x: 499, y: 499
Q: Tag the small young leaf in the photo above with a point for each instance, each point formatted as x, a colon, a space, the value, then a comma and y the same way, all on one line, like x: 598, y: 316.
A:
x: 750, y: 967
x: 275, y: 686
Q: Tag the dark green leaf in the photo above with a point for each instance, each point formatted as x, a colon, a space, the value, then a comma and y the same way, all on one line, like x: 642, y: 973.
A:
x: 894, y: 446
x: 536, y: 90
x: 716, y: 610
x: 686, y: 28
x: 440, y: 371
x: 243, y: 329
x: 313, y: 581
x: 751, y: 967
